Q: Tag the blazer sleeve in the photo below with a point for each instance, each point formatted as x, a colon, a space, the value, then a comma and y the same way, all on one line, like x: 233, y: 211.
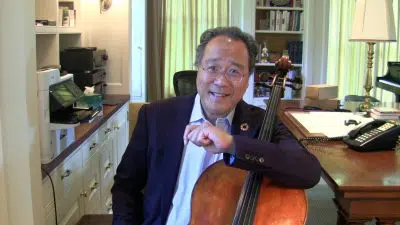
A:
x: 130, y: 178
x: 283, y: 160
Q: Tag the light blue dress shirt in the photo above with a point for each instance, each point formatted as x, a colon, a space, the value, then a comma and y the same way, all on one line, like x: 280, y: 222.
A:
x: 194, y: 161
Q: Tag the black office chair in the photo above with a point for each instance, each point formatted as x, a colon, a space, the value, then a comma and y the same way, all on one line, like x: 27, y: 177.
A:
x: 185, y: 82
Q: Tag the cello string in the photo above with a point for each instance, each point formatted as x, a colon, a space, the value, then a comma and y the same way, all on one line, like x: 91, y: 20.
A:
x: 241, y: 212
x: 253, y: 186
x: 253, y: 203
x: 252, y: 192
x: 254, y: 179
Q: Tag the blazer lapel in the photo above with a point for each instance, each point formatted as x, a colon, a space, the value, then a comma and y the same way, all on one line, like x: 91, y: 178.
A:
x: 173, y: 142
x: 244, y: 121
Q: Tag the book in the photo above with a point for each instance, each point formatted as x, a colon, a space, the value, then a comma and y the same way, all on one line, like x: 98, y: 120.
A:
x: 386, y: 110
x: 385, y: 117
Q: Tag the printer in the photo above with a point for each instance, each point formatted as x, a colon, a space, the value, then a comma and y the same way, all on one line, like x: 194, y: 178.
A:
x: 57, y: 95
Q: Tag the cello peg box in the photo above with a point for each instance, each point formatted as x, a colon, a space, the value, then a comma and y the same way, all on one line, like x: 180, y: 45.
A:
x: 321, y: 91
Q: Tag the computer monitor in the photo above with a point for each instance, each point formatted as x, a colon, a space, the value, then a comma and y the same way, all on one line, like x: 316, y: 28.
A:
x: 64, y: 94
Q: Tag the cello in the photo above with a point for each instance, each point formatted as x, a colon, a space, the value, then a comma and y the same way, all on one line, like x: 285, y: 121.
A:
x: 226, y: 195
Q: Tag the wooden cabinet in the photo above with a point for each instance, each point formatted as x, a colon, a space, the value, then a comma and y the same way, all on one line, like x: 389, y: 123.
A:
x: 91, y: 184
x: 122, y: 138
x: 106, y: 171
x: 83, y: 182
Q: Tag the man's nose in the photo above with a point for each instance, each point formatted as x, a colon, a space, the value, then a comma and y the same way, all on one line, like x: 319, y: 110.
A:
x: 221, y: 77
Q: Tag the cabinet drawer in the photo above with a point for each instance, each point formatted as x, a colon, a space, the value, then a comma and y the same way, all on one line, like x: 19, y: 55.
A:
x: 67, y: 179
x: 69, y: 184
x: 90, y: 146
x: 106, y: 162
x: 120, y: 117
x: 107, y: 206
x: 47, y: 190
x: 105, y: 131
x: 49, y: 218
x: 122, y: 142
x: 72, y: 216
x: 91, y: 184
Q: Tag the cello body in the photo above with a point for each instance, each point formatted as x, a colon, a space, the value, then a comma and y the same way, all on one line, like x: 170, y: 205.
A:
x: 217, y: 193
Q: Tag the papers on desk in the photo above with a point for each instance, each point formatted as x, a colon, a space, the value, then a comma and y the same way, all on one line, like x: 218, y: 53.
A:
x: 330, y: 124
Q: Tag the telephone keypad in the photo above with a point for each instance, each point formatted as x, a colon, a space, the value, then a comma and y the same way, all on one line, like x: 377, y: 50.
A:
x: 375, y: 132
x: 368, y: 135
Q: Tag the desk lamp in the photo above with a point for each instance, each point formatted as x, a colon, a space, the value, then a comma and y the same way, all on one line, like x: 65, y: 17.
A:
x: 373, y: 22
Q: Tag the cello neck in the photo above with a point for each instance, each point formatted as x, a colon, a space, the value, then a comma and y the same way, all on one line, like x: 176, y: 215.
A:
x: 245, y: 210
x: 278, y: 87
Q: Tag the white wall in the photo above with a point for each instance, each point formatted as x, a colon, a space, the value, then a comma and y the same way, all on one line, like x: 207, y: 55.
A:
x: 109, y: 30
x: 315, y: 48
x: 242, y: 15
x: 137, y: 31
x: 3, y: 186
x: 18, y: 115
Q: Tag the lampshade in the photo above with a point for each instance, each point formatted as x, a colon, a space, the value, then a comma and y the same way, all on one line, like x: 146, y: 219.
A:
x: 373, y: 21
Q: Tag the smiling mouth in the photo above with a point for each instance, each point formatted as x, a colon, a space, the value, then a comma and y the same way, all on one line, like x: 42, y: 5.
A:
x: 216, y: 94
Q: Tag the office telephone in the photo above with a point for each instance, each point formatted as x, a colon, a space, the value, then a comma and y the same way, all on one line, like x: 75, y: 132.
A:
x: 374, y: 136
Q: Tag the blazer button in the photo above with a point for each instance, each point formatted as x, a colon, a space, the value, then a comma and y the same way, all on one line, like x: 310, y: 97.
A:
x: 247, y: 156
x: 261, y: 160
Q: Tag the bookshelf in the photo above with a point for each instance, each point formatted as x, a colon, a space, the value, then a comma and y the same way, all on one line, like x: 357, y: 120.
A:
x: 63, y: 29
x: 280, y: 29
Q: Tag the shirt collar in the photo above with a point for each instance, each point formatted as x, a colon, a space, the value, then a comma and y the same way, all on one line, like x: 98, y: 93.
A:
x: 197, y: 112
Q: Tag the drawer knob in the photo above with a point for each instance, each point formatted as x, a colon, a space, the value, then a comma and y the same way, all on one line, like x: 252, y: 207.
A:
x: 109, y: 166
x: 109, y: 208
x: 93, y: 146
x: 107, y: 131
x: 66, y: 174
x: 94, y: 187
x: 84, y: 194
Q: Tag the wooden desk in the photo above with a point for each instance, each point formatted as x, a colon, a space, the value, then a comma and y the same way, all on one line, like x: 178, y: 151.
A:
x: 99, y: 219
x: 366, y: 185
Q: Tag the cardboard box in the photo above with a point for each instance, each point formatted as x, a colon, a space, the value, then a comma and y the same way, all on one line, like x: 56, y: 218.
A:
x: 326, y: 104
x: 321, y: 91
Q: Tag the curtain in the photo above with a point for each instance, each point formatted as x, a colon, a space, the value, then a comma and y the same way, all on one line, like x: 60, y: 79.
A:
x: 185, y: 20
x: 155, y: 49
x: 347, y: 61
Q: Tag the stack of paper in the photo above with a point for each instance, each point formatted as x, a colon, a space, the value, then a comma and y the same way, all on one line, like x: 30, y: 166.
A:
x: 385, y: 113
x: 330, y: 124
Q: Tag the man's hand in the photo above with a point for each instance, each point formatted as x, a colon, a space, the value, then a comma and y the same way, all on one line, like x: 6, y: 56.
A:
x: 208, y: 136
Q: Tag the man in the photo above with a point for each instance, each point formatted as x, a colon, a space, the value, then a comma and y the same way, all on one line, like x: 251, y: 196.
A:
x: 176, y: 139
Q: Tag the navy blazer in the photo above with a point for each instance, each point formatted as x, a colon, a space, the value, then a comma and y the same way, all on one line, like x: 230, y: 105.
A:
x: 145, y: 181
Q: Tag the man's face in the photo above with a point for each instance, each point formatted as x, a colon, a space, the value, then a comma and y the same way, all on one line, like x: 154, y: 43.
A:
x: 224, y: 61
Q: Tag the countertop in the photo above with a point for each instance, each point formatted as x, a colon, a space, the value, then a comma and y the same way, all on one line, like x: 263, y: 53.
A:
x: 83, y: 131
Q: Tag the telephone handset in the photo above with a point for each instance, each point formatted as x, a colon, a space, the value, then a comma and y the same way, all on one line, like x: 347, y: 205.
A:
x: 374, y: 136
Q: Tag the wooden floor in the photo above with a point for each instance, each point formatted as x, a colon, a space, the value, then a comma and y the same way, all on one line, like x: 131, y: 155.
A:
x: 96, y: 220
x: 321, y: 210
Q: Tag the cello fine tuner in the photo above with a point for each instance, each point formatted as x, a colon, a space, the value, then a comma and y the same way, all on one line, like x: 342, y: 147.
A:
x: 244, y: 126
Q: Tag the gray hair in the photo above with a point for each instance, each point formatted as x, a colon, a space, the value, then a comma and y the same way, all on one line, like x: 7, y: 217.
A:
x: 233, y: 32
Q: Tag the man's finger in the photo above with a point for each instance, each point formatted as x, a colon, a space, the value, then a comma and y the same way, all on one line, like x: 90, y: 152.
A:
x: 189, y: 128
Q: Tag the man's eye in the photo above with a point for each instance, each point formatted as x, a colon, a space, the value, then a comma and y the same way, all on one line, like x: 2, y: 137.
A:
x: 212, y: 69
x: 233, y: 72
